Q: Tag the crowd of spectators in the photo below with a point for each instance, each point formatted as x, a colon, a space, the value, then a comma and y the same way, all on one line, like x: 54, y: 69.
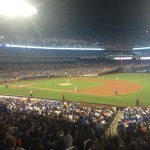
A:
x: 17, y: 71
x: 136, y: 65
x: 134, y: 128
x: 27, y: 123
x: 78, y: 68
x: 33, y: 124
x: 81, y: 40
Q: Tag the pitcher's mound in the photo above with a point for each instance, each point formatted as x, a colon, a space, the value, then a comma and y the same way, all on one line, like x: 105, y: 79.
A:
x: 65, y: 84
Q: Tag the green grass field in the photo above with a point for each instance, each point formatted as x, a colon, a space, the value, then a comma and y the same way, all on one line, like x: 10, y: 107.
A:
x: 50, y: 88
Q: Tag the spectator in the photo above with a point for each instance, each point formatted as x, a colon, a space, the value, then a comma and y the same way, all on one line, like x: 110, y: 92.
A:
x: 10, y: 143
x: 67, y: 139
x: 37, y: 144
x: 133, y: 146
x: 3, y: 137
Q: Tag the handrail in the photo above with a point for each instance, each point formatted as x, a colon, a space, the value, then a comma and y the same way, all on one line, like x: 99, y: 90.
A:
x: 89, y: 140
x: 71, y: 148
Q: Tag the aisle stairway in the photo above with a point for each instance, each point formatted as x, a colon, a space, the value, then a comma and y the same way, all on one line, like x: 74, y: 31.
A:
x: 113, y: 128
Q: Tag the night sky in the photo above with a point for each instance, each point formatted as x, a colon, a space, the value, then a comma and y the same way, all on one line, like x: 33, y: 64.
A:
x: 112, y: 15
x: 82, y: 15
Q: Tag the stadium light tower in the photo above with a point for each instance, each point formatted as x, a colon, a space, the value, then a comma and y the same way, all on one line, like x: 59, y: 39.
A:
x: 16, y: 8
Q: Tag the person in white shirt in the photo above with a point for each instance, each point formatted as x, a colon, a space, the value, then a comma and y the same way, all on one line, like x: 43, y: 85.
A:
x: 76, y: 88
x: 67, y: 139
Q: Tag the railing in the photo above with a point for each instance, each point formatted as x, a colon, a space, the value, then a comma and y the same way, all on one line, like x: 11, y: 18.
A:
x: 72, y: 148
x: 87, y: 142
x: 108, y: 133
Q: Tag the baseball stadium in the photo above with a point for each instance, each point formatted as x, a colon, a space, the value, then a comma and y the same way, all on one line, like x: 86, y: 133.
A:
x: 73, y: 80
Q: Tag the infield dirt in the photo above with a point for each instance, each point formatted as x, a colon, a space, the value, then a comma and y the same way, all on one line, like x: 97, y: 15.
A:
x: 108, y: 87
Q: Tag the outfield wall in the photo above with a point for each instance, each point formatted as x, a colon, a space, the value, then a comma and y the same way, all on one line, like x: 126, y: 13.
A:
x: 135, y: 71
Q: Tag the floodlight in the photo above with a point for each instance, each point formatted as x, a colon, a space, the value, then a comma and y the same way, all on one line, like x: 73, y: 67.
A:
x: 15, y: 8
x: 140, y: 48
x: 145, y: 58
x: 123, y: 58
